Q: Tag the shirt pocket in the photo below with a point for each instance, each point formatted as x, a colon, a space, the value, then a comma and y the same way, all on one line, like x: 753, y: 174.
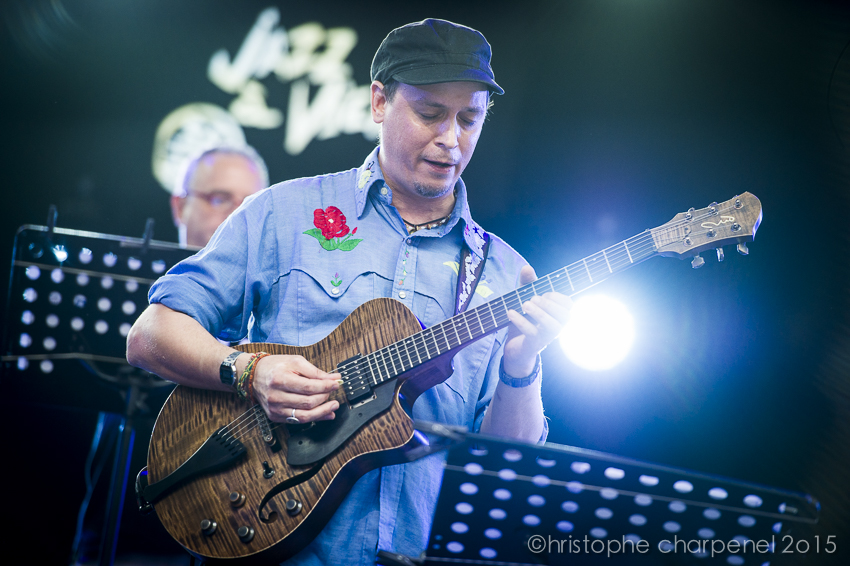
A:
x: 325, y: 296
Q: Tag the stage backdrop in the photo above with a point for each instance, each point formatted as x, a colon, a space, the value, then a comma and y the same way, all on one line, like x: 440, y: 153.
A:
x: 617, y: 115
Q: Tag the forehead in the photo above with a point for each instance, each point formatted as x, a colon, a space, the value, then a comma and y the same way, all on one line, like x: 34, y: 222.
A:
x: 461, y: 96
x: 227, y: 172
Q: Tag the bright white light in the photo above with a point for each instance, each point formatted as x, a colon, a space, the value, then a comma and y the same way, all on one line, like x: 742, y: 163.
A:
x: 599, y: 333
x: 60, y: 252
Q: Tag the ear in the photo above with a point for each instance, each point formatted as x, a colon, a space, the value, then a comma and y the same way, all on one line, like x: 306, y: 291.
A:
x: 379, y: 102
x: 177, y: 204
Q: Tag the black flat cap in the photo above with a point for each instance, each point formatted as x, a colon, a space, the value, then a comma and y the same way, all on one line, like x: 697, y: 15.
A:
x: 434, y: 51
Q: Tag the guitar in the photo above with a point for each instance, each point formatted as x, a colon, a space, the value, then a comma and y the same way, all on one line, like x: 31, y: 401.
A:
x: 228, y: 484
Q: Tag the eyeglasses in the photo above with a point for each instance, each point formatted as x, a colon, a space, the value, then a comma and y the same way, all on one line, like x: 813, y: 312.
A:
x: 216, y: 199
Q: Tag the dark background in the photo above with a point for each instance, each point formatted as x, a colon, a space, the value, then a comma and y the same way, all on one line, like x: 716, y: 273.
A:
x: 618, y: 115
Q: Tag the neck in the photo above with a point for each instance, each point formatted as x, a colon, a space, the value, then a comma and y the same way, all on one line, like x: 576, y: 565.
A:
x: 415, y: 208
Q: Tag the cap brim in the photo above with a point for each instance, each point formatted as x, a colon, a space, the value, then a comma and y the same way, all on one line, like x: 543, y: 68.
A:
x: 446, y: 74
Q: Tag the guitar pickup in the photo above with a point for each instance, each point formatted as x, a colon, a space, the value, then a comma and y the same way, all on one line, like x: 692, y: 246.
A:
x: 357, y: 381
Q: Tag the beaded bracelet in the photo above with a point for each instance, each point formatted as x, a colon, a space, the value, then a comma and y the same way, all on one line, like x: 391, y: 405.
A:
x: 256, y: 361
x: 245, y: 384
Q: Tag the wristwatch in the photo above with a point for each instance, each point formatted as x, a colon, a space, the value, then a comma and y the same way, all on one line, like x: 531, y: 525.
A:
x: 227, y: 369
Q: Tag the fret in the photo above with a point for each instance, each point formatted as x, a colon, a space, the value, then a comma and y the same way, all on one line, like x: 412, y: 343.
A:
x: 407, y: 351
x: 389, y: 350
x: 551, y: 286
x: 478, y: 318
x: 569, y: 280
x: 625, y: 245
x: 492, y: 314
x: 373, y: 371
x: 451, y: 320
x: 385, y: 361
x: 448, y: 342
x: 587, y: 269
x: 463, y: 317
x: 424, y: 345
x: 607, y: 262
x: 434, y: 336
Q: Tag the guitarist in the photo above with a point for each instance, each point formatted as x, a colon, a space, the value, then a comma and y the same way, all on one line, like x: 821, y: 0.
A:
x: 295, y: 259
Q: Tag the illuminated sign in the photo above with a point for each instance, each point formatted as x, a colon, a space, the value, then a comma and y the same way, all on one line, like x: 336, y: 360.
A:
x: 309, y: 58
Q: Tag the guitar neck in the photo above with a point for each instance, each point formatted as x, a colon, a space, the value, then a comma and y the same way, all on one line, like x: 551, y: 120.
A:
x: 458, y: 331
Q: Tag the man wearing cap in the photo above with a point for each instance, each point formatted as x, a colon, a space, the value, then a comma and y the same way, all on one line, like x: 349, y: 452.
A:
x: 296, y: 259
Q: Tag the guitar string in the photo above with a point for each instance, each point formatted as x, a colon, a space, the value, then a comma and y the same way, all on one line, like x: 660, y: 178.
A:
x: 613, y: 255
x: 385, y: 357
x: 245, y: 424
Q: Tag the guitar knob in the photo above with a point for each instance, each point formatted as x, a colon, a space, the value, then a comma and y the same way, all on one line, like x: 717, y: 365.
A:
x: 742, y: 249
x: 697, y: 262
x: 237, y: 499
x: 720, y: 254
x: 208, y: 527
x: 293, y: 507
x: 245, y: 534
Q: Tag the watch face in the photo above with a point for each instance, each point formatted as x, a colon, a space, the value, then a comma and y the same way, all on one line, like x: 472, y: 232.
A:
x: 227, y: 371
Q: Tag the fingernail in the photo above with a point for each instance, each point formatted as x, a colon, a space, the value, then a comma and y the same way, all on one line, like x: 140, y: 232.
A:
x: 340, y: 381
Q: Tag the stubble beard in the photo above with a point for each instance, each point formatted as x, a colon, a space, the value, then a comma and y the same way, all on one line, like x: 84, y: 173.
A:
x: 432, y: 191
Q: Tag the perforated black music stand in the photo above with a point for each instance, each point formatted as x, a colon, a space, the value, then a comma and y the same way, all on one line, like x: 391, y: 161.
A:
x: 73, y: 297
x: 513, y: 503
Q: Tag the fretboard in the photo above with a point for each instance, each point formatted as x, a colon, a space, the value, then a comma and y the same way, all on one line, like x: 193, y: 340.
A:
x: 380, y: 366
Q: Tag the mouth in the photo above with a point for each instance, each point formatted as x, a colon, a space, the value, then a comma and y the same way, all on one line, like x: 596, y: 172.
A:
x: 442, y: 166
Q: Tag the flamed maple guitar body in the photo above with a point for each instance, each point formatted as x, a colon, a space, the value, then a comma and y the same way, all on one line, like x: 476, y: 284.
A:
x: 314, y: 467
x: 191, y: 415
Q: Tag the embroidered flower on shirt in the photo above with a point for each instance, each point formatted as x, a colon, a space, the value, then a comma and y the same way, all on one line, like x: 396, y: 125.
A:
x: 364, y: 178
x: 331, y: 230
x: 336, y: 281
x: 482, y: 289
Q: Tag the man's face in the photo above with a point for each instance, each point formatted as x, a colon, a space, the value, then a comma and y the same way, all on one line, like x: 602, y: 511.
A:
x: 220, y: 184
x: 428, y: 134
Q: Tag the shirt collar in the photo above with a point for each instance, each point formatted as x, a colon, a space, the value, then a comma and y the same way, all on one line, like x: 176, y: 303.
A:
x: 369, y: 175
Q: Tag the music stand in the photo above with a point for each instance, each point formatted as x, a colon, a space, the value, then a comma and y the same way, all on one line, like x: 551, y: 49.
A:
x: 511, y: 503
x: 73, y: 297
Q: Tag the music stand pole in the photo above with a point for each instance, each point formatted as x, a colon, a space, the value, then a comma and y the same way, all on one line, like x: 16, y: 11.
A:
x: 118, y: 481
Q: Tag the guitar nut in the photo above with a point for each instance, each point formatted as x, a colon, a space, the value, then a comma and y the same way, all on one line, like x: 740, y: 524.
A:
x: 237, y: 499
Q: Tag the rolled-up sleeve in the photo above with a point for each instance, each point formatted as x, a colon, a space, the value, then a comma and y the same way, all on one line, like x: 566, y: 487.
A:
x: 212, y: 286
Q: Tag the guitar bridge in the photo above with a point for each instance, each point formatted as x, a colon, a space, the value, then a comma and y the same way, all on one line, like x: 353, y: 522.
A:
x: 364, y: 401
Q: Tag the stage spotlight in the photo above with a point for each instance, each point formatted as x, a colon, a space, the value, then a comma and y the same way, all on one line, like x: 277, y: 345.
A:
x: 599, y: 333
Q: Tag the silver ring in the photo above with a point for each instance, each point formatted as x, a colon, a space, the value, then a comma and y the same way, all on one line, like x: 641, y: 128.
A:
x: 291, y: 419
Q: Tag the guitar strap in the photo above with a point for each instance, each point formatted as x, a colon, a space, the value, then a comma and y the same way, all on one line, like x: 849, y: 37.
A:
x: 469, y: 273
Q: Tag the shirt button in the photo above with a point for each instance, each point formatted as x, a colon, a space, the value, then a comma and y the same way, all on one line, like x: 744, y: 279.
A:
x: 335, y: 291
x: 384, y: 190
x: 402, y: 294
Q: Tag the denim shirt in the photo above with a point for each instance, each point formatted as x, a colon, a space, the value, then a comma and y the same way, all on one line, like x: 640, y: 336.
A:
x: 270, y: 274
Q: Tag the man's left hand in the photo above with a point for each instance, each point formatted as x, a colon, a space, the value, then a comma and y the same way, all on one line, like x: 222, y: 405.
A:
x: 527, y: 338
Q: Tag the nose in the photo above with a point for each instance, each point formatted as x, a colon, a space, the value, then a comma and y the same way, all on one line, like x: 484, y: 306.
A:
x: 449, y: 133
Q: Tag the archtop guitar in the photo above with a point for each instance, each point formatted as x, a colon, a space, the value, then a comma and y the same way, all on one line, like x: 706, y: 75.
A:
x: 230, y: 485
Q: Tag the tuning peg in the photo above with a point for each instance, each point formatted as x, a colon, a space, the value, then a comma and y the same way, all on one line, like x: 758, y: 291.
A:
x: 697, y: 262
x: 720, y: 254
x: 742, y: 249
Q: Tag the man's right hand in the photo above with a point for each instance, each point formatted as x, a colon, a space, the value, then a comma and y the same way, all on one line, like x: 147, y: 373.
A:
x: 290, y: 386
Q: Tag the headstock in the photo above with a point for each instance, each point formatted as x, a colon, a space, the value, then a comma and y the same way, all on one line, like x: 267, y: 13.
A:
x: 734, y: 221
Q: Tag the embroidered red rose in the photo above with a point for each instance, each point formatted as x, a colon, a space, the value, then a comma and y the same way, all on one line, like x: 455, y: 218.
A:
x: 332, y: 232
x: 331, y: 222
